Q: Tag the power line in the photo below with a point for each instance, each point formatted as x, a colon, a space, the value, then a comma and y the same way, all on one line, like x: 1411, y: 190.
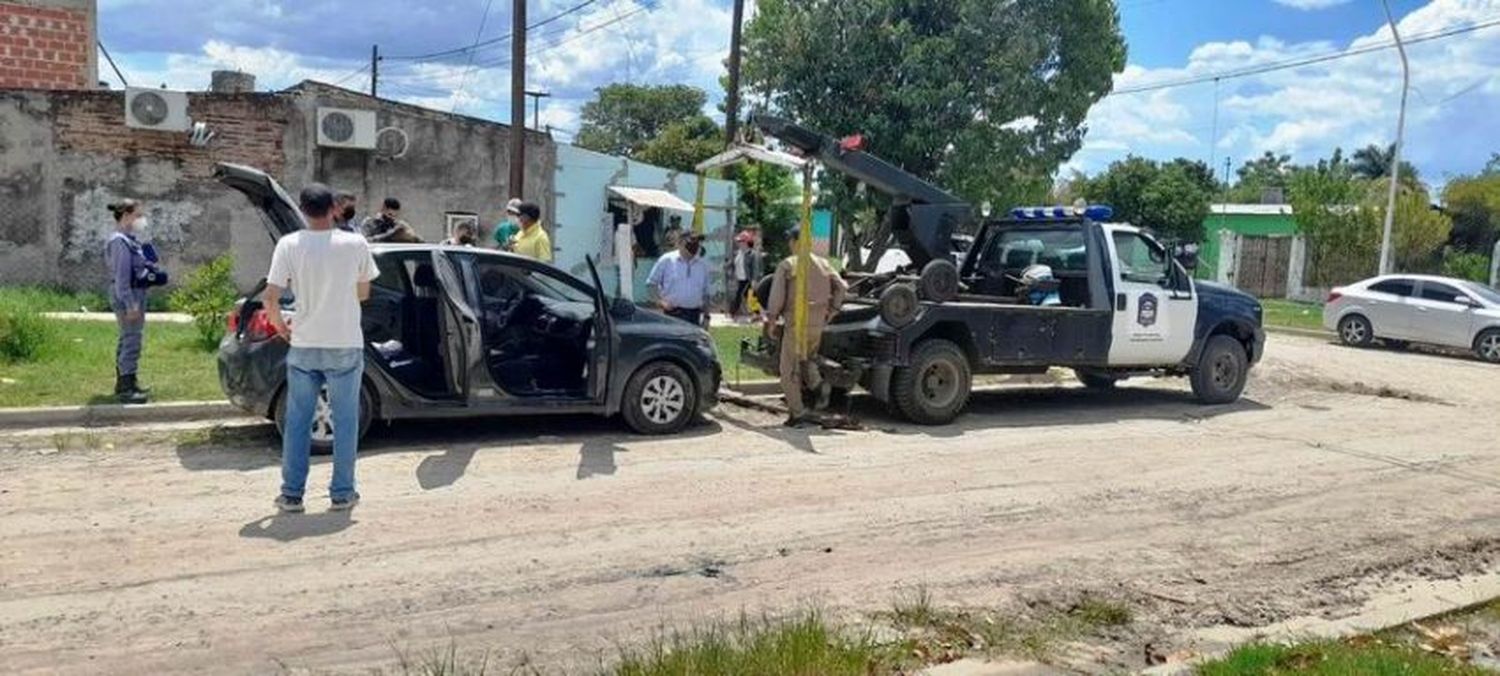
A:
x: 469, y: 65
x: 1298, y: 63
x: 480, y: 44
x: 351, y: 75
x: 591, y: 29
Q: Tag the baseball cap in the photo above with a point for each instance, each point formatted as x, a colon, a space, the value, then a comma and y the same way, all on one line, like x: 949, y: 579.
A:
x: 512, y: 207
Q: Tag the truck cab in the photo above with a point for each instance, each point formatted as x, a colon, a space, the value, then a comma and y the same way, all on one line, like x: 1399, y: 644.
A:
x: 1119, y: 303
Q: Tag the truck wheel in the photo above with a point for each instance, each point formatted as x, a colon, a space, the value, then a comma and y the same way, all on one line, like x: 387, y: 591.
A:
x: 659, y: 399
x: 939, y: 281
x: 1221, y: 372
x: 1487, y: 346
x: 1095, y: 380
x: 322, y: 426
x: 898, y: 305
x: 935, y: 388
x: 1355, y: 331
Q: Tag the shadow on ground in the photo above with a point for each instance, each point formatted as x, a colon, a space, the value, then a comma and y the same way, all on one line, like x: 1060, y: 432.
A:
x: 291, y: 527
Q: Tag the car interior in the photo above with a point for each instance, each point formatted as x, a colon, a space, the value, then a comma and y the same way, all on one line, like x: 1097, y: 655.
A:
x: 1008, y: 253
x: 536, y: 329
x: 403, y: 326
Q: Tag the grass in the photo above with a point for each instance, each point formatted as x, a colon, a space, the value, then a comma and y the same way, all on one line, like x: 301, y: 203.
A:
x: 1335, y: 658
x: 79, y: 367
x: 946, y: 634
x: 54, y: 299
x: 1292, y: 314
x: 805, y: 644
x: 727, y: 341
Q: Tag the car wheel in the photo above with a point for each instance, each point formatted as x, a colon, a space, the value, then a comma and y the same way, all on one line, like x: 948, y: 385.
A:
x: 1222, y: 371
x: 1355, y: 331
x: 1487, y: 346
x: 659, y: 399
x: 1095, y: 380
x: 936, y: 387
x: 322, y: 426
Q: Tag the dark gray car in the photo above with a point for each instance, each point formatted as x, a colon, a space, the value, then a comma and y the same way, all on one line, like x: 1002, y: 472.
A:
x: 456, y: 332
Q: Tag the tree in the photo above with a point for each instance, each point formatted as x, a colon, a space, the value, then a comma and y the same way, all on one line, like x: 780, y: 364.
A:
x: 1373, y: 162
x: 1256, y: 176
x: 1172, y: 198
x: 769, y: 199
x: 984, y: 98
x: 1474, y: 204
x: 681, y: 145
x: 1342, y: 218
x: 623, y: 118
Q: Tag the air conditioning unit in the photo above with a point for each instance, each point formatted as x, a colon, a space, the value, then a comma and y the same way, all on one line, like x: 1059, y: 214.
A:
x: 344, y: 128
x: 156, y: 109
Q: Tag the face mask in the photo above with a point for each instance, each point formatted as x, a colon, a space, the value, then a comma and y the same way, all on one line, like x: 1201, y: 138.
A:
x: 348, y: 213
x: 141, y: 225
x: 692, y: 248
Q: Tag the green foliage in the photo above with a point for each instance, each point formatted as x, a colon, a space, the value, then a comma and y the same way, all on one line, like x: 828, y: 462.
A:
x: 983, y: 98
x: 24, y: 334
x: 1474, y: 204
x: 770, y: 199
x: 1374, y: 162
x: 1268, y: 171
x: 681, y: 145
x: 759, y: 647
x: 208, y: 295
x: 1334, y: 658
x: 1172, y: 199
x: 53, y: 299
x: 1343, y: 219
x: 623, y: 118
x: 1471, y: 266
x: 77, y: 366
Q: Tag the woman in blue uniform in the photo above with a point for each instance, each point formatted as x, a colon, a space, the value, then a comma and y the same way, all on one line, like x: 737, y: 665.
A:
x: 130, y: 273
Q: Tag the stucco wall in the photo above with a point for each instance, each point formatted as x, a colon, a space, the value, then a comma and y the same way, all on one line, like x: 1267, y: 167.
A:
x: 581, y: 190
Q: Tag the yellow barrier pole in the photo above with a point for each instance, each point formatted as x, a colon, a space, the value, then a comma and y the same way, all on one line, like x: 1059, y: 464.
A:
x: 698, y: 205
x: 804, y: 265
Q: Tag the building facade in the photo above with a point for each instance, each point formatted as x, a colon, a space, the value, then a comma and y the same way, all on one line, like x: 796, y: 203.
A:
x: 48, y: 44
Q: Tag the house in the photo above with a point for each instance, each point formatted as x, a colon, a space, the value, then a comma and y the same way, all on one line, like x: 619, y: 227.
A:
x: 1254, y: 247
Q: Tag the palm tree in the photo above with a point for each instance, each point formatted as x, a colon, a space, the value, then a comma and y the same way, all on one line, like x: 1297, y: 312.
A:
x: 1374, y: 162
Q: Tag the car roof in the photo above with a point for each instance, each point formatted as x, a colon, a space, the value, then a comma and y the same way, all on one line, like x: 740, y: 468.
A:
x: 379, y: 248
x: 1424, y: 278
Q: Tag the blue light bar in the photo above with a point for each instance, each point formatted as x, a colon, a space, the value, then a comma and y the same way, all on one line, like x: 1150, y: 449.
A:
x: 1097, y: 212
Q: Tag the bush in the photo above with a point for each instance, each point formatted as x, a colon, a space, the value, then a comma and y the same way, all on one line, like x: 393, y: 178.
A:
x: 23, y: 333
x: 1471, y: 266
x: 208, y: 295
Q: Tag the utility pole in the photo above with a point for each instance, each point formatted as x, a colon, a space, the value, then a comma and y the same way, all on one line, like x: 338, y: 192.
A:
x: 732, y: 102
x: 517, y: 98
x: 536, y: 107
x: 1390, y: 207
x: 374, y: 70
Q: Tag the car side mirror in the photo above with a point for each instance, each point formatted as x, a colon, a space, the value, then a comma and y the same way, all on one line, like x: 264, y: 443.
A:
x: 1466, y: 301
x: 621, y: 308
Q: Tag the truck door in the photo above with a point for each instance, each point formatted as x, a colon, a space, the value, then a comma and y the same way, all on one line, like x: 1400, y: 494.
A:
x: 1155, y: 305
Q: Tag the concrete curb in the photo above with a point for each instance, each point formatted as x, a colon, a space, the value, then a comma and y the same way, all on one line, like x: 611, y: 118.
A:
x: 105, y: 414
x: 1305, y: 333
x: 167, y: 317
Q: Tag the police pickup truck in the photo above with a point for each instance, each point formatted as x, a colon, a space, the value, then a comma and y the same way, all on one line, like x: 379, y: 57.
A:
x: 1041, y: 288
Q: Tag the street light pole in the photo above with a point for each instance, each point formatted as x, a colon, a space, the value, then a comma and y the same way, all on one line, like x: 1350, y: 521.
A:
x: 1390, y: 207
x: 536, y: 107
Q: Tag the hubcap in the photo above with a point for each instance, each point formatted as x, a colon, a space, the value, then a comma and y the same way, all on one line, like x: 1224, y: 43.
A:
x: 939, y: 384
x: 1490, y: 346
x: 322, y: 425
x: 1354, y: 331
x: 663, y: 399
x: 1224, y: 372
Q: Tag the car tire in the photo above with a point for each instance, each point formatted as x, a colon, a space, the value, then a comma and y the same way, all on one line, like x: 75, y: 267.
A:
x: 660, y: 398
x: 935, y: 389
x: 1222, y: 371
x: 322, y: 443
x: 1487, y: 346
x: 1095, y: 380
x: 1356, y: 331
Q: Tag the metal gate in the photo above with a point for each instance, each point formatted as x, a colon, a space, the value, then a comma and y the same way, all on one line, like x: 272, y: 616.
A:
x: 1264, y: 262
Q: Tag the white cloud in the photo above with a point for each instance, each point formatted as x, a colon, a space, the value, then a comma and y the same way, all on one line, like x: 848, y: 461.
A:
x: 1307, y: 111
x: 1311, y: 4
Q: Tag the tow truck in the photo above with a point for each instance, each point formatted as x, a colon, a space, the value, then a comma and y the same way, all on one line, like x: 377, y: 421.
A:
x: 1117, y: 303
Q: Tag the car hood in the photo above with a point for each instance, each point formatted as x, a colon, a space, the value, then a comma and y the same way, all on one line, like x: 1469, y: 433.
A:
x: 651, y: 322
x: 278, y: 211
x: 1214, y: 292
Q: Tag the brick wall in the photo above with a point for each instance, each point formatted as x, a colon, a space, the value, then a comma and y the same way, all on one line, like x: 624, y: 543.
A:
x: 45, y: 48
x: 249, y: 129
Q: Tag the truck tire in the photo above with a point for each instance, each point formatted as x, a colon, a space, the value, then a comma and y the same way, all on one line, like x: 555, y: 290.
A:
x: 935, y: 388
x: 660, y: 398
x: 939, y: 281
x: 322, y: 437
x: 898, y: 305
x: 1222, y: 370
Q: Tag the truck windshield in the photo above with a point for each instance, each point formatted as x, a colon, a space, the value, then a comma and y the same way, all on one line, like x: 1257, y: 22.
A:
x: 1013, y: 250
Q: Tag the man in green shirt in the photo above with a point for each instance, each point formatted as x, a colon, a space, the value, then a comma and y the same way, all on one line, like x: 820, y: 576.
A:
x: 506, y: 230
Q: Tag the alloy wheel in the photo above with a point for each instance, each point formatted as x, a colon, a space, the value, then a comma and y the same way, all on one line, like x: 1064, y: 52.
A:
x: 663, y: 400
x: 1355, y: 331
x: 322, y: 425
x: 1489, y: 347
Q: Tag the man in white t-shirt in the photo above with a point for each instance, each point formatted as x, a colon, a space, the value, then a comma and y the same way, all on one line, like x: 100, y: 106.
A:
x: 328, y: 271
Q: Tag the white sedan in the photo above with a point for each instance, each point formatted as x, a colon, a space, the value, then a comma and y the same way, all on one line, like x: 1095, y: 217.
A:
x: 1401, y: 309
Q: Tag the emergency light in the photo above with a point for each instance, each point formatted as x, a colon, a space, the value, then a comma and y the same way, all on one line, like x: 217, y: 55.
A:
x: 1097, y: 212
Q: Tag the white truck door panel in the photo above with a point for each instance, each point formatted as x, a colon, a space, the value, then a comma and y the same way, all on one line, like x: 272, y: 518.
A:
x: 1153, y: 324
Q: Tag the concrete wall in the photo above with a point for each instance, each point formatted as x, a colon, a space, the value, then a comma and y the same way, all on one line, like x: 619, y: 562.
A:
x: 453, y: 163
x: 1216, y: 225
x: 582, y: 227
x: 65, y: 155
x: 48, y: 44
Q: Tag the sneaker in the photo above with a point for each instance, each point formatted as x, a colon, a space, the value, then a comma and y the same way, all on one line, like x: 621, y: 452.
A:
x: 344, y: 504
x: 289, y: 504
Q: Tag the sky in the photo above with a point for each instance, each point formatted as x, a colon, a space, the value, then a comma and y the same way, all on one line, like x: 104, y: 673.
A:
x: 1180, y: 45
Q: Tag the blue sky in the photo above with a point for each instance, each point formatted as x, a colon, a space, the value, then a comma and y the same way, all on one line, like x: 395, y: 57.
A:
x: 1305, y: 112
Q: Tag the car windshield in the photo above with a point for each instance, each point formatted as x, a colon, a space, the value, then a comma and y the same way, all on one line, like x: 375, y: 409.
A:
x: 556, y: 287
x: 1486, y: 293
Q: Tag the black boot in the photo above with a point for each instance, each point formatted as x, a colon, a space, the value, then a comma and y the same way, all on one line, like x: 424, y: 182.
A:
x: 126, y: 392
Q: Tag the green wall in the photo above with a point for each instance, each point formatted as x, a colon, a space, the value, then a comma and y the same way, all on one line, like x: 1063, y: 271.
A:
x: 1244, y: 224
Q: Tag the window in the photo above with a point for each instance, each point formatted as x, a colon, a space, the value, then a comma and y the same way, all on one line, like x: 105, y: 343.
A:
x: 491, y: 273
x: 1395, y: 287
x: 1485, y: 293
x: 391, y: 277
x: 1011, y: 251
x: 1439, y: 292
x: 1141, y: 259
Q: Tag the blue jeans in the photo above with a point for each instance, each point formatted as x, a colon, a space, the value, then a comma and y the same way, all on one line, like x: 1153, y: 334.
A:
x: 308, y: 370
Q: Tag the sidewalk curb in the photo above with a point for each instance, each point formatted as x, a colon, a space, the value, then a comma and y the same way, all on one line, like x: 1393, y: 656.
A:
x: 104, y: 414
x: 1305, y: 333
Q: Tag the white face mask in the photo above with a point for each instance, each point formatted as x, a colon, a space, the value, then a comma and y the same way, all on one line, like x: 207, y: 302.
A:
x: 141, y: 225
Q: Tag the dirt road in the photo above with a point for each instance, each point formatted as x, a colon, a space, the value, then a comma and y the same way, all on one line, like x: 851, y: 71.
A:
x: 1343, y: 471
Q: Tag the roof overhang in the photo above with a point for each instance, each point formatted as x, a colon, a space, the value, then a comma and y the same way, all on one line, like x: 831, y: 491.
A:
x: 650, y: 197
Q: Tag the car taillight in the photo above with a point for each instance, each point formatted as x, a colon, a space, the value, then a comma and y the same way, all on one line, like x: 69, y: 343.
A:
x: 1335, y: 295
x: 232, y: 322
x: 257, y: 329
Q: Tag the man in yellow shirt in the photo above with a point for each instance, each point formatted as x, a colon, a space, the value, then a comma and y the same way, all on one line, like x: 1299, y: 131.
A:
x: 532, y: 242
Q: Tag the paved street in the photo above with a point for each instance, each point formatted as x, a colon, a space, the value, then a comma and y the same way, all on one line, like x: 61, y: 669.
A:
x: 1342, y: 472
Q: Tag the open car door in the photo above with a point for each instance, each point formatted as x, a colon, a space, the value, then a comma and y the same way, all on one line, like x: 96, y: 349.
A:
x: 461, y: 346
x: 602, y: 347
